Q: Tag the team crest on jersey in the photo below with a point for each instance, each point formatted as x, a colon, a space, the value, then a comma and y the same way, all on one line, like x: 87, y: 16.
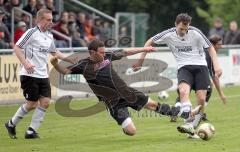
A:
x: 101, y: 65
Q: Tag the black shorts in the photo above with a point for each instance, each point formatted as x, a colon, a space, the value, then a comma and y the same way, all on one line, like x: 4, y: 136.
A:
x: 197, y: 76
x: 34, y: 88
x: 120, y: 110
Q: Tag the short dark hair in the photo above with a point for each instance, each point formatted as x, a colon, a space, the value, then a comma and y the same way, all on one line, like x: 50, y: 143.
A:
x: 184, y: 18
x: 214, y: 39
x: 95, y: 44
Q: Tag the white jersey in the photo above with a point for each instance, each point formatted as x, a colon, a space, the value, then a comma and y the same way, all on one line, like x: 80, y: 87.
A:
x: 36, y: 46
x: 188, y: 50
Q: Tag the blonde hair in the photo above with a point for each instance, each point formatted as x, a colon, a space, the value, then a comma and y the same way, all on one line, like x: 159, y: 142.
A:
x: 41, y: 12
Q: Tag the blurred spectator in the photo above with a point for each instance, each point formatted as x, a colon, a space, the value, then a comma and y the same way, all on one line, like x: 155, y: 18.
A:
x: 81, y: 19
x: 90, y: 30
x: 13, y: 3
x: 123, y: 32
x: 9, y: 7
x: 4, y: 29
x: 2, y: 5
x: 217, y: 29
x: 62, y: 27
x: 72, y: 22
x: 77, y: 41
x: 106, y: 32
x: 98, y: 27
x: 40, y: 4
x: 21, y: 28
x: 26, y: 19
x: 31, y: 7
x: 3, y: 44
x: 50, y: 5
x: 233, y: 34
x: 34, y: 21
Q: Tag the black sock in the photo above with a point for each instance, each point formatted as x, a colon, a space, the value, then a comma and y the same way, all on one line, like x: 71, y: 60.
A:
x: 185, y: 115
x: 163, y: 109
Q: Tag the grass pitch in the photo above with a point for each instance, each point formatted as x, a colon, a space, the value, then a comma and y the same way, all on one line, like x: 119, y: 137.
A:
x: 100, y: 133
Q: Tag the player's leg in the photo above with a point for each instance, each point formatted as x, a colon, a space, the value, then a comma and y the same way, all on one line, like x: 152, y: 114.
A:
x: 174, y: 118
x: 209, y: 93
x: 202, y: 83
x: 162, y: 108
x: 121, y: 114
x: 39, y: 113
x: 142, y: 100
x: 185, y: 81
x: 30, y: 92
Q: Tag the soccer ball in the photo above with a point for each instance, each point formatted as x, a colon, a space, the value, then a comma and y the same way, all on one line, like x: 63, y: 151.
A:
x: 206, y: 131
x: 163, y: 95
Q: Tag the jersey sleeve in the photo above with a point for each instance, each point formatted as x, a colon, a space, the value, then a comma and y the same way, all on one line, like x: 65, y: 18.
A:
x: 25, y: 38
x: 161, y: 38
x: 52, y: 47
x: 77, y: 68
x: 203, y: 39
x: 115, y: 55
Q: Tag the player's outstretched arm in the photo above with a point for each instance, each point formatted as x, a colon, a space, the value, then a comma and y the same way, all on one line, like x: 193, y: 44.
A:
x: 132, y: 51
x: 140, y: 61
x: 216, y: 65
x: 63, y: 57
x: 61, y: 69
x: 219, y: 90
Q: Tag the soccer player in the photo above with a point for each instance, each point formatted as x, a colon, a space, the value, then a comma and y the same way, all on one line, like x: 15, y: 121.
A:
x: 110, y: 88
x: 217, y: 44
x: 32, y: 51
x: 187, y: 44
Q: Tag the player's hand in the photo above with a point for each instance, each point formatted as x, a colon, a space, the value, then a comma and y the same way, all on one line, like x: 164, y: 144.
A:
x: 223, y: 98
x: 29, y: 67
x: 150, y: 49
x: 137, y: 66
x: 54, y: 60
x: 218, y: 72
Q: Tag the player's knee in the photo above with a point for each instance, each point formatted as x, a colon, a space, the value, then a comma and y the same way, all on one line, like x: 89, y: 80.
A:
x: 45, y: 103
x: 129, y: 127
x: 30, y: 105
x: 183, y: 92
x: 130, y: 131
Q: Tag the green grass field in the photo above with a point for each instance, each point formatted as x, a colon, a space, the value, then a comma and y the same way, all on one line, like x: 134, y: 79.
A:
x: 100, y: 133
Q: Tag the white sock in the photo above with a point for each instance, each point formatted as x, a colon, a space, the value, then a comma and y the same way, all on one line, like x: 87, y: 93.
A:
x: 186, y: 106
x: 197, y: 120
x: 126, y: 122
x: 37, y: 118
x: 178, y: 104
x: 205, y: 104
x: 21, y: 112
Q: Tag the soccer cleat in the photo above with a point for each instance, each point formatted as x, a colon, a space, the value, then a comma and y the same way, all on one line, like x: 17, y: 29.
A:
x: 173, y: 119
x: 32, y: 135
x: 195, y: 136
x: 11, y: 131
x: 174, y: 113
x: 204, y: 117
x: 196, y: 110
x: 186, y: 128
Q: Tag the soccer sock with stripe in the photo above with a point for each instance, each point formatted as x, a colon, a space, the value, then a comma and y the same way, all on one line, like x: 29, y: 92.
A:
x: 21, y: 112
x: 37, y: 118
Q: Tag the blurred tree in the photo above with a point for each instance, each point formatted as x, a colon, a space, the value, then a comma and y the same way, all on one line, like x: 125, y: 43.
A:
x: 227, y: 10
x: 162, y: 12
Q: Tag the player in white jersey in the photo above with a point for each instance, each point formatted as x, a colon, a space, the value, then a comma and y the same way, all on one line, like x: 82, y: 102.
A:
x: 187, y: 44
x: 32, y: 50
